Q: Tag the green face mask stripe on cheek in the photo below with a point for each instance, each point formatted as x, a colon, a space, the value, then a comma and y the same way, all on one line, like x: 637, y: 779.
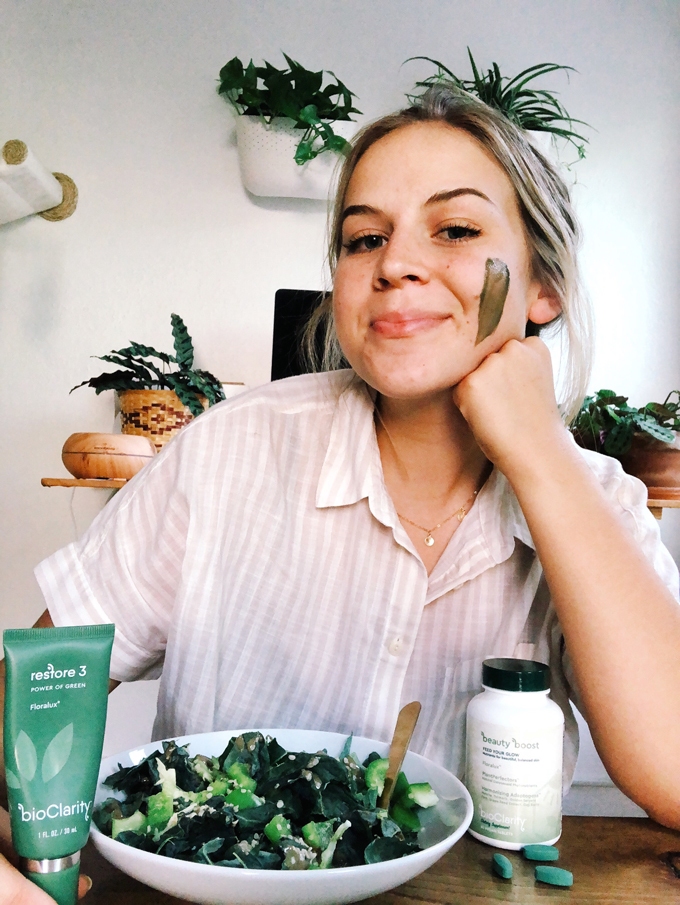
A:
x: 492, y: 299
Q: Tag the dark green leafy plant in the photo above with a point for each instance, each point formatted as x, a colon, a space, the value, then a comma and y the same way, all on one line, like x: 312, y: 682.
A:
x: 606, y: 423
x: 175, y: 372
x: 532, y: 109
x: 295, y: 93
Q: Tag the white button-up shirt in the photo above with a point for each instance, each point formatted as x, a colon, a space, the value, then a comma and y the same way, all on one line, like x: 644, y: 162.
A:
x: 259, y: 563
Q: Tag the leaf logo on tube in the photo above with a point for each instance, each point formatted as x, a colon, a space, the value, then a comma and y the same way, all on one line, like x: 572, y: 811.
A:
x: 57, y: 753
x: 25, y: 756
x: 54, y: 760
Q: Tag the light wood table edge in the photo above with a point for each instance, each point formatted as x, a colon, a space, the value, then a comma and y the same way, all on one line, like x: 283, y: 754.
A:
x: 101, y: 483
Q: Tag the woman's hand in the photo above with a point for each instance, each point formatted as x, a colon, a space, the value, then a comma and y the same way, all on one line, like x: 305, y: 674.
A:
x: 509, y: 404
x: 15, y: 889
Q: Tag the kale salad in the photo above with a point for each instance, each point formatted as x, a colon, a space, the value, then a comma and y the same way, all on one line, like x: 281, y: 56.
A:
x: 260, y: 806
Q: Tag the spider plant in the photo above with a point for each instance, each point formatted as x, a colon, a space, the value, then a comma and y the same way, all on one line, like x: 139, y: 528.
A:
x: 532, y: 109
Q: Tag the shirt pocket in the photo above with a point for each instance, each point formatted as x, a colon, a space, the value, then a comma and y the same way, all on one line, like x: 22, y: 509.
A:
x: 446, y: 738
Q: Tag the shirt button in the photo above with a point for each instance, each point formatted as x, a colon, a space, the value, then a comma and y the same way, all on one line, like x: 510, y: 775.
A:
x: 394, y: 646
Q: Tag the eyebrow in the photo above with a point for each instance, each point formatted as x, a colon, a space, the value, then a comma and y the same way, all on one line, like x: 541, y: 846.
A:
x: 355, y: 210
x: 455, y: 193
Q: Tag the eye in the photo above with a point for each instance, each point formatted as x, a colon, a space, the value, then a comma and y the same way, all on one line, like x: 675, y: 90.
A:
x: 366, y: 242
x: 458, y: 232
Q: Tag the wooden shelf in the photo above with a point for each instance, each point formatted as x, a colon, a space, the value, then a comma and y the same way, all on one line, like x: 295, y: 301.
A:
x: 658, y: 506
x: 101, y: 483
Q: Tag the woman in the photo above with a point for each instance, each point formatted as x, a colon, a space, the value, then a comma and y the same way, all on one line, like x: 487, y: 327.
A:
x: 321, y: 550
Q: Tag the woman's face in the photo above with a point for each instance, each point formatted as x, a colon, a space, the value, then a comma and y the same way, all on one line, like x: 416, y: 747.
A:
x: 425, y: 208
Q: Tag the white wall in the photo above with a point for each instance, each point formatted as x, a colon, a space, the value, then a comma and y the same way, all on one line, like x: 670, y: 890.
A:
x: 121, y: 96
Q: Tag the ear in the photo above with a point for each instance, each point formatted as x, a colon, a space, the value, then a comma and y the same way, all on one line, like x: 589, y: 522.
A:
x: 544, y: 308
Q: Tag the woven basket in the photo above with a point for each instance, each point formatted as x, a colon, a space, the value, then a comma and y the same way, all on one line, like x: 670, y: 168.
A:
x: 155, y: 414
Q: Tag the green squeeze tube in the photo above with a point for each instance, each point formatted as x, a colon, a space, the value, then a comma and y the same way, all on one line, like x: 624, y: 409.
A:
x: 55, y: 713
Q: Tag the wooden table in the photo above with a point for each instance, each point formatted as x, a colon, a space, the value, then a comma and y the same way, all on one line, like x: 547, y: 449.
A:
x: 615, y: 861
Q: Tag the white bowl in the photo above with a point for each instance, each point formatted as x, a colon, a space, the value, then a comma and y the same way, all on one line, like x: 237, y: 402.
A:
x: 214, y: 885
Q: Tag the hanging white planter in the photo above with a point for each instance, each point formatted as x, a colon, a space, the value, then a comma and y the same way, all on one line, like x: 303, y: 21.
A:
x: 266, y: 158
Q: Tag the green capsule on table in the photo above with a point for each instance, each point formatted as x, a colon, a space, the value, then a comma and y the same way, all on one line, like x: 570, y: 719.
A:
x: 554, y: 876
x: 541, y: 852
x: 502, y: 866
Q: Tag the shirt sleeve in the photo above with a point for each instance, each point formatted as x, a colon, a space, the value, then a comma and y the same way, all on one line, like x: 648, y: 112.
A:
x: 126, y: 568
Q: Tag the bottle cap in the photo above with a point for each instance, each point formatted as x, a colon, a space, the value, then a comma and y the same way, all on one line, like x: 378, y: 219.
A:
x: 509, y: 674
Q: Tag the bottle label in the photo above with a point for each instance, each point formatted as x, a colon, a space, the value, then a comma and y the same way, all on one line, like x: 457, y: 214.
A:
x: 515, y: 780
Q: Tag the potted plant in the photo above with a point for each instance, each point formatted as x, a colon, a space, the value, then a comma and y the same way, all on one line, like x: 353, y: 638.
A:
x: 532, y: 109
x: 287, y: 126
x: 158, y: 397
x: 643, y: 439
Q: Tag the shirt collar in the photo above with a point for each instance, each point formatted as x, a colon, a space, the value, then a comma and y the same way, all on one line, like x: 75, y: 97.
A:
x: 486, y: 537
x: 352, y: 471
x: 348, y: 473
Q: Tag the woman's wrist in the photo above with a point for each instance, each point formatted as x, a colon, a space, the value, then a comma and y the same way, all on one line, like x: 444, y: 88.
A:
x: 544, y: 462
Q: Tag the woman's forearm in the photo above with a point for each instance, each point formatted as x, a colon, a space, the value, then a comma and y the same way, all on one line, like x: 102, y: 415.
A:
x: 620, y: 623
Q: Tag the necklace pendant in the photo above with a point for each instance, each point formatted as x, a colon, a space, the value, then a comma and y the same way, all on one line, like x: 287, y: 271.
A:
x: 429, y: 540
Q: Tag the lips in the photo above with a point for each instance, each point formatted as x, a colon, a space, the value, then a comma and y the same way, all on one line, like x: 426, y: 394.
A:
x: 394, y: 325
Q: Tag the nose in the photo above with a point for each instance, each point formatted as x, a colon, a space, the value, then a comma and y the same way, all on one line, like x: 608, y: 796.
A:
x: 401, y: 261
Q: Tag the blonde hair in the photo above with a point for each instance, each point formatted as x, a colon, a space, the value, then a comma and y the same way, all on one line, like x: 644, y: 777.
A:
x: 552, y: 230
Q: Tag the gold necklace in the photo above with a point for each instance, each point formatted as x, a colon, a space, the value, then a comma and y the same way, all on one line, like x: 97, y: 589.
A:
x: 459, y: 514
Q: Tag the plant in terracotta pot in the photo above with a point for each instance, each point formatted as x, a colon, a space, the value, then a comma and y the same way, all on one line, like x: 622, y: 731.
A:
x: 159, y: 393
x: 286, y: 113
x: 536, y: 110
x: 644, y: 439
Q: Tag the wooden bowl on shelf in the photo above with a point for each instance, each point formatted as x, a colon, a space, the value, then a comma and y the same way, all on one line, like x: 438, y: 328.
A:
x: 106, y: 455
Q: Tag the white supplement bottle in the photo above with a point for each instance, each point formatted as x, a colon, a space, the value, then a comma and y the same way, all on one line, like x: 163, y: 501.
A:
x: 514, y: 756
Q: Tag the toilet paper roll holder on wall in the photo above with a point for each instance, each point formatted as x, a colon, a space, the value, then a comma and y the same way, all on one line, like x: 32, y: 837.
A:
x: 15, y: 153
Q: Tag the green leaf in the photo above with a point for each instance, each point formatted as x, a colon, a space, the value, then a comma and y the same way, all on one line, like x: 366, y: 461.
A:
x: 57, y: 753
x: 304, y: 152
x: 339, y: 144
x: 619, y: 438
x: 186, y: 395
x: 146, y: 351
x: 232, y: 73
x: 25, y: 756
x: 386, y: 849
x: 309, y: 114
x: 208, y: 385
x: 12, y: 780
x: 656, y: 430
x: 184, y: 348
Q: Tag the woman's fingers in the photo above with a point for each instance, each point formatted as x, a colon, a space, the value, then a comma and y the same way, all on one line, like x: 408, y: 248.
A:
x: 509, y: 401
x: 6, y: 838
x: 17, y: 890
